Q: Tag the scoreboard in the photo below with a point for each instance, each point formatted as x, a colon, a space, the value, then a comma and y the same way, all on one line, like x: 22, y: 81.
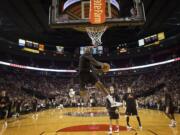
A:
x: 31, y: 46
x: 152, y: 40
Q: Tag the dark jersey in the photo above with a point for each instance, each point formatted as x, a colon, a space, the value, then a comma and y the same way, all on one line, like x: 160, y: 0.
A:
x: 87, y: 62
x: 130, y: 100
x: 4, y: 102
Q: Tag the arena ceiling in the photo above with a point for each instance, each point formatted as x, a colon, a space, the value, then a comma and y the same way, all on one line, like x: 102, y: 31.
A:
x: 28, y: 19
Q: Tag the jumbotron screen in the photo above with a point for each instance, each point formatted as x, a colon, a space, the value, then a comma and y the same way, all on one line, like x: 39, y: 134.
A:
x: 31, y: 46
x: 96, y: 50
x: 152, y: 39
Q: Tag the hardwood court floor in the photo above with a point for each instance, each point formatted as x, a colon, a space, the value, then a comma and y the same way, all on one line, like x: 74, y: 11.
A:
x: 87, y: 121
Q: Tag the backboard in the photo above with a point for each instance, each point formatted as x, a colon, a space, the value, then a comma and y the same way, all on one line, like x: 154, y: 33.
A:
x: 75, y: 13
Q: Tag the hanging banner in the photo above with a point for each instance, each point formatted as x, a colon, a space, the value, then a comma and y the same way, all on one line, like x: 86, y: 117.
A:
x: 97, y: 11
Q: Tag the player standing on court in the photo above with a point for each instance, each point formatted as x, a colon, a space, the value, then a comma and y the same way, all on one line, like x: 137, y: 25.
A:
x: 4, y: 106
x: 131, y: 107
x: 113, y: 111
x: 169, y: 110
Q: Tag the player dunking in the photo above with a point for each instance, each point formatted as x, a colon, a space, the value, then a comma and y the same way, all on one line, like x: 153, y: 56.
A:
x: 169, y: 110
x: 87, y: 73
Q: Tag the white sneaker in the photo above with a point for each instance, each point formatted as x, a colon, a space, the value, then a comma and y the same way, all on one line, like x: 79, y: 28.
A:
x: 174, y: 122
x: 110, y: 132
x: 129, y: 127
x: 172, y: 125
x: 116, y: 131
x: 116, y: 104
x: 140, y: 127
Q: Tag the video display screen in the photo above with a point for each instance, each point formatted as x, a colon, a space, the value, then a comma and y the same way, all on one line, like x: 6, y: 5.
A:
x: 31, y: 46
x: 60, y: 49
x: 152, y: 39
x: 98, y: 50
x: 22, y: 42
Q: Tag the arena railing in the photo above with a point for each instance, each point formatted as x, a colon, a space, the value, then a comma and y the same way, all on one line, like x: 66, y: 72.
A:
x: 74, y: 71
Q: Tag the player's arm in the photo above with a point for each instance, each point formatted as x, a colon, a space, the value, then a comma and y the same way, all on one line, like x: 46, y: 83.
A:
x: 148, y: 92
x: 96, y: 69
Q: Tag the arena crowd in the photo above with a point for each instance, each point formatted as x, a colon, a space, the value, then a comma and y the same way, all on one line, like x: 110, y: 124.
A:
x: 30, y: 91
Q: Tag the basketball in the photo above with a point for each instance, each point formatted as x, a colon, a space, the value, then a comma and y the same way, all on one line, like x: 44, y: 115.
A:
x: 105, y: 67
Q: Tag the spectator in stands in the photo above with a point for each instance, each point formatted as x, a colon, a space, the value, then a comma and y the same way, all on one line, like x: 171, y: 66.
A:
x: 4, y: 106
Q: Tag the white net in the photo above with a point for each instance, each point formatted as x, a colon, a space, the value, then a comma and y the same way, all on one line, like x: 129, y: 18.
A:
x: 95, y: 33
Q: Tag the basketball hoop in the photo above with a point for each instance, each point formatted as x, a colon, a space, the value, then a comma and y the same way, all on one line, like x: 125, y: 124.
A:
x: 95, y: 33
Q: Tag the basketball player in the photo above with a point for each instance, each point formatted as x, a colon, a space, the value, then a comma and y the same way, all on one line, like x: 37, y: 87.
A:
x: 92, y: 100
x: 4, y: 106
x: 88, y: 74
x: 131, y: 107
x: 18, y: 107
x: 72, y: 97
x: 169, y: 110
x: 34, y: 108
x: 113, y: 111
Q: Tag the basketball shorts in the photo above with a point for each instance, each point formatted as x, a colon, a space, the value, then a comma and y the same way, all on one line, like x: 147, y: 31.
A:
x: 86, y: 78
x: 131, y: 111
x: 113, y: 115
